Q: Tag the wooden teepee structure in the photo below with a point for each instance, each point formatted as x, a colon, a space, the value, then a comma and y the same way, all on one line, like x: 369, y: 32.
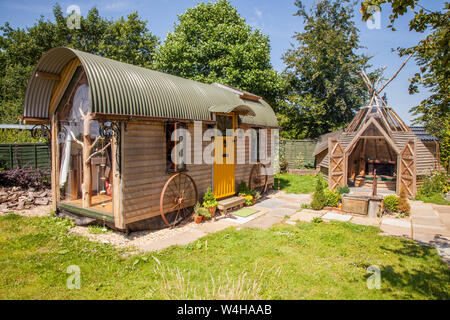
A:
x: 377, y: 106
x: 376, y: 143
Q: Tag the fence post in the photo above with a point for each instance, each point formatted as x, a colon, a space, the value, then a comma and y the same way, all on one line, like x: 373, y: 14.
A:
x: 35, y: 157
x: 11, y: 157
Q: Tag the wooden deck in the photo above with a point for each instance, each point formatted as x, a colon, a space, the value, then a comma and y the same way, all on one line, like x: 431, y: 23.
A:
x: 102, y: 203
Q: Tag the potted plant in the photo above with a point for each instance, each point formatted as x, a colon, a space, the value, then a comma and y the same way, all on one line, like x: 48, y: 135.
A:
x: 197, y: 213
x: 257, y: 196
x: 210, y: 202
x: 201, y: 213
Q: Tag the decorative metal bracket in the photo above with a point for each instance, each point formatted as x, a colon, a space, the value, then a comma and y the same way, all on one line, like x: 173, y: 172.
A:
x: 41, y: 131
x: 113, y: 129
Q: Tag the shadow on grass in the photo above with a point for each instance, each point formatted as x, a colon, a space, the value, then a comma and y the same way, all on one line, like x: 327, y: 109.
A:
x: 281, y: 183
x: 431, y: 279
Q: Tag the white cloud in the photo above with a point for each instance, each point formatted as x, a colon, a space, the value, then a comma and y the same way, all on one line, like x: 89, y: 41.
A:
x: 258, y: 13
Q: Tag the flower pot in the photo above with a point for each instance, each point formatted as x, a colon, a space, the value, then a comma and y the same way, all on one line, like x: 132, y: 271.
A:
x: 212, y: 210
x: 198, y: 219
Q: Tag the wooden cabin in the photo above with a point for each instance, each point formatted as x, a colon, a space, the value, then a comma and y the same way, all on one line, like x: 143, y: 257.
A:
x: 377, y: 143
x: 113, y: 146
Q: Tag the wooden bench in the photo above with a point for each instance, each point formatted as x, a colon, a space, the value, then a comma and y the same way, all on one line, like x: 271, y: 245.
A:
x: 230, y: 203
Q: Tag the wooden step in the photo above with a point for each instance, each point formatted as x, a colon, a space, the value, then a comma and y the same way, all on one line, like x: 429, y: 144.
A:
x: 230, y: 203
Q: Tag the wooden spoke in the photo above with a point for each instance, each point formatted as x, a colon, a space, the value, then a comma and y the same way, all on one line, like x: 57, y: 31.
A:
x: 178, y: 197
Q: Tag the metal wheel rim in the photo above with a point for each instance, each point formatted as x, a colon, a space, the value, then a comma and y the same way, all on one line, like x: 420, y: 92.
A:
x: 256, y: 170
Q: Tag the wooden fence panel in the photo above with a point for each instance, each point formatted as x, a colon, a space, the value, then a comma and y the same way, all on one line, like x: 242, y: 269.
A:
x: 292, y: 149
x: 25, y: 155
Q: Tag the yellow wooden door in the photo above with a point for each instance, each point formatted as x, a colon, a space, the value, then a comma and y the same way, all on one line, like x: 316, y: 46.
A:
x: 224, y: 157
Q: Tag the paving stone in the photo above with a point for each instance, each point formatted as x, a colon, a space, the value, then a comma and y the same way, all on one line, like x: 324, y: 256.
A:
x: 389, y: 230
x: 366, y: 221
x: 430, y: 230
x: 178, y: 239
x: 433, y: 221
x: 264, y: 222
x: 424, y: 238
x: 442, y: 246
x: 292, y: 205
x: 422, y: 209
x: 305, y: 216
x: 321, y: 212
x: 271, y: 203
x: 214, y: 226
x: 336, y: 216
x: 241, y: 220
x: 281, y: 212
x: 396, y: 222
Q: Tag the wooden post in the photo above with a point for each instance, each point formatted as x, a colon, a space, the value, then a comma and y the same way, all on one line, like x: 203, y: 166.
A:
x: 87, y: 169
x: 55, y: 164
x: 119, y: 220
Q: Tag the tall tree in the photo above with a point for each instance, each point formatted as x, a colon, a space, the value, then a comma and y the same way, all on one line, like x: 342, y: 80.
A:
x: 212, y: 43
x: 126, y: 39
x: 322, y: 71
x: 432, y: 56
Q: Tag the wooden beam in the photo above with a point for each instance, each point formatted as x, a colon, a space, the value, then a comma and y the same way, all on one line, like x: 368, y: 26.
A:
x: 27, y: 120
x: 60, y: 87
x: 395, y: 74
x: 47, y: 76
x: 366, y: 125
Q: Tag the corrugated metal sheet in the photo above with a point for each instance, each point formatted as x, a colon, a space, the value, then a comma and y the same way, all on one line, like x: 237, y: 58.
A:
x: 422, y: 133
x: 123, y: 89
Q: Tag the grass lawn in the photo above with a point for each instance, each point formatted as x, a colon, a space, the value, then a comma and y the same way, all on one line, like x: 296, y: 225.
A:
x: 307, y: 261
x: 292, y: 183
x: 436, y: 199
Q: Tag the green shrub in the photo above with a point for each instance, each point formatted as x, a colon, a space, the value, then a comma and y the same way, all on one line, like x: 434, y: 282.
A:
x: 18, y: 136
x: 208, y: 199
x: 243, y: 189
x: 317, y: 220
x: 283, y: 166
x: 319, y: 200
x: 391, y: 203
x: 332, y: 198
x: 201, y: 211
x: 343, y: 190
x: 435, y: 183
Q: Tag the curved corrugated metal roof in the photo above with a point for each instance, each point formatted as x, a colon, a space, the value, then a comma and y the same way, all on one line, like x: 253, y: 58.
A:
x: 123, y: 89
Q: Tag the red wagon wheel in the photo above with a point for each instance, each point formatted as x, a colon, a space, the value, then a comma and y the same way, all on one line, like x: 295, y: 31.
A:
x: 178, y: 197
x: 258, y: 178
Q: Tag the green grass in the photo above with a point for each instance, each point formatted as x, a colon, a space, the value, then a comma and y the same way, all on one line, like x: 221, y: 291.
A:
x: 98, y: 229
x: 435, y: 198
x: 292, y: 183
x: 306, y: 261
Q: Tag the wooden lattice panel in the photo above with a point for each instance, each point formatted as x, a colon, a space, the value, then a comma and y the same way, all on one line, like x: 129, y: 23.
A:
x: 337, y: 164
x: 407, y: 167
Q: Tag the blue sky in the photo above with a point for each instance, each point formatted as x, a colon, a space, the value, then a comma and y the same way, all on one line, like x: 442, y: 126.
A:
x: 273, y: 17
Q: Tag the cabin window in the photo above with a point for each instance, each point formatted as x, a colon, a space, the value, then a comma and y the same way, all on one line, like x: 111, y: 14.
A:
x: 72, y: 118
x: 254, y: 155
x: 175, y: 156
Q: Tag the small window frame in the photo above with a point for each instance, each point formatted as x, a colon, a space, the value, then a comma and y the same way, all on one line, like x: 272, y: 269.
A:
x: 169, y: 128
